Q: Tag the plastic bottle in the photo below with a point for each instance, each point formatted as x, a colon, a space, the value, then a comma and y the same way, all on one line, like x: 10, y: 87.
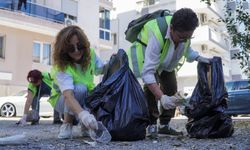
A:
x: 101, y: 134
x: 14, y: 139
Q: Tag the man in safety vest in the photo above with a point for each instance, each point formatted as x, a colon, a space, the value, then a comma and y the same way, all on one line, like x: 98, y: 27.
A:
x: 40, y: 84
x: 156, y: 58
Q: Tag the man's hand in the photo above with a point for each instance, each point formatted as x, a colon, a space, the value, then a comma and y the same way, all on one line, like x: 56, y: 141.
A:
x: 203, y: 59
x: 22, y: 121
x: 168, y: 102
x: 88, y: 120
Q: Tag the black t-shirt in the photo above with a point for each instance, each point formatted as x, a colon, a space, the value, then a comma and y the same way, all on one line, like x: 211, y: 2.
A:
x: 45, y: 89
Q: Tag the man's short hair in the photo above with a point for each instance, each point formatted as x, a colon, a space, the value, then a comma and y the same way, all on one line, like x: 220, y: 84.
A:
x: 34, y: 76
x: 184, y: 19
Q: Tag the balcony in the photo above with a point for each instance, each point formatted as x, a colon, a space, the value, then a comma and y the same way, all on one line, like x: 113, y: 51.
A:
x: 212, y: 37
x: 214, y: 11
x: 108, y: 4
x: 35, y: 10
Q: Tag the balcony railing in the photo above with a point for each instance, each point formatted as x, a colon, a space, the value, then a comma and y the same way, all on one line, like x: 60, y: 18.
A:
x: 35, y: 10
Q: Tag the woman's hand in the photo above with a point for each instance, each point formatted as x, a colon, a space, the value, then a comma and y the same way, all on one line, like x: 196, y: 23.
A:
x: 22, y: 121
x: 88, y: 120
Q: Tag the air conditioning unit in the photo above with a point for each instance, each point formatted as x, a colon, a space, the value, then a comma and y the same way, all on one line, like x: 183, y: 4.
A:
x: 203, y: 18
x: 204, y: 47
x: 69, y: 22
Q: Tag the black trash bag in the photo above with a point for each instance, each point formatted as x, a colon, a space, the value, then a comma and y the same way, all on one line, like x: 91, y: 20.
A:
x: 218, y: 125
x: 208, y: 102
x: 119, y: 102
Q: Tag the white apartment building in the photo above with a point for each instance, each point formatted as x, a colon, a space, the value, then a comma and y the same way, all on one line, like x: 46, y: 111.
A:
x: 27, y: 36
x: 210, y: 38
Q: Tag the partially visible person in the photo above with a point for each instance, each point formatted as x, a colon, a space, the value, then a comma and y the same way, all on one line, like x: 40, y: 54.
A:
x: 12, y: 5
x: 39, y: 86
x: 20, y: 2
x: 75, y: 65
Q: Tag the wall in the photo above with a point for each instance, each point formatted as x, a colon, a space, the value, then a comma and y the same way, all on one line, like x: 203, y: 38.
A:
x: 18, y: 56
x: 88, y: 14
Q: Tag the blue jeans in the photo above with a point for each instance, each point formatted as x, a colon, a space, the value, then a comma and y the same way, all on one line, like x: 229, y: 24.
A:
x: 36, y: 106
x: 80, y: 93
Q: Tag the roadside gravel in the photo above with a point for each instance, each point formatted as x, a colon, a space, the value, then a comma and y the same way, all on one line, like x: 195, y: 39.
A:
x: 44, y: 137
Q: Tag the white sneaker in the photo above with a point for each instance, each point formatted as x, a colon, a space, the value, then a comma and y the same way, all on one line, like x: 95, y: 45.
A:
x: 65, y: 131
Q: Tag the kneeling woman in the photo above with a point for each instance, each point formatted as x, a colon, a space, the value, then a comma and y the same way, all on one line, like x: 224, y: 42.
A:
x: 75, y: 64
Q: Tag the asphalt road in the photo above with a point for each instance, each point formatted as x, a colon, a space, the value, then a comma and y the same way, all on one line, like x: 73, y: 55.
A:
x: 44, y: 137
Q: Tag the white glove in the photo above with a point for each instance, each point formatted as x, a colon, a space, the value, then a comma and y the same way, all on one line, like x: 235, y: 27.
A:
x: 203, y: 59
x: 22, y: 121
x: 88, y: 120
x: 168, y: 102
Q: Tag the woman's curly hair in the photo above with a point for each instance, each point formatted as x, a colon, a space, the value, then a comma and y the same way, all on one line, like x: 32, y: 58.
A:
x: 61, y: 57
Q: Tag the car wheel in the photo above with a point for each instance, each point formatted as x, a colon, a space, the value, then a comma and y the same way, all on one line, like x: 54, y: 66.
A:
x: 8, y: 110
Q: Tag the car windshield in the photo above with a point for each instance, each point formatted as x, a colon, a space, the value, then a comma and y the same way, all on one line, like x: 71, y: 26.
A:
x: 229, y: 86
x: 243, y: 85
x: 237, y: 85
x: 21, y: 93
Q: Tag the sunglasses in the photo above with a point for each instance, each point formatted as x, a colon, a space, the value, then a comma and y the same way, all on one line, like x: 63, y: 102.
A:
x: 72, y: 48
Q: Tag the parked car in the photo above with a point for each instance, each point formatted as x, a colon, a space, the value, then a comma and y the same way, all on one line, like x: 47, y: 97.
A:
x: 239, y: 97
x: 11, y: 106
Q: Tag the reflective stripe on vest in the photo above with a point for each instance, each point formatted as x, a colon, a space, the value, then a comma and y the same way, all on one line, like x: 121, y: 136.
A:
x: 86, y: 78
x: 183, y: 58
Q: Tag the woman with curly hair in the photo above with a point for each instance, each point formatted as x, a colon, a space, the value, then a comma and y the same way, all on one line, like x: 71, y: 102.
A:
x: 75, y: 64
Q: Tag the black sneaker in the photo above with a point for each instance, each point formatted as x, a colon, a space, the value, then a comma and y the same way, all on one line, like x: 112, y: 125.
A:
x: 57, y: 122
x: 34, y: 122
x: 152, y: 131
x: 165, y: 129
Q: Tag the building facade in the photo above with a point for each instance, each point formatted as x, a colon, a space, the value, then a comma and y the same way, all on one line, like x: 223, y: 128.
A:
x: 27, y: 35
x: 105, y: 41
x: 210, y: 38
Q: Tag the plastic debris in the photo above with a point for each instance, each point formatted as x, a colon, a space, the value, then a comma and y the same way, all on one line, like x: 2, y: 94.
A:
x: 13, y: 140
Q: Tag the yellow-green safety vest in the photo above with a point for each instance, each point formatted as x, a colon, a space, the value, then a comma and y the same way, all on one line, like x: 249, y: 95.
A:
x: 45, y: 78
x: 136, y: 53
x: 78, y: 76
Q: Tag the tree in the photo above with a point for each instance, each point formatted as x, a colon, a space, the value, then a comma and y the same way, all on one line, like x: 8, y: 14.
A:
x: 240, y: 37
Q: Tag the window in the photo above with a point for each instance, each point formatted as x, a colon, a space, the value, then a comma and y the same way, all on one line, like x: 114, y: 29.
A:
x: 104, y: 34
x: 36, y: 52
x: 203, y: 47
x: 2, y: 46
x: 150, y: 2
x: 243, y: 85
x: 104, y: 18
x: 203, y: 19
x: 46, y: 54
x: 107, y: 36
x: 42, y: 53
x: 229, y: 86
x: 238, y: 85
x: 104, y: 24
x: 101, y: 34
